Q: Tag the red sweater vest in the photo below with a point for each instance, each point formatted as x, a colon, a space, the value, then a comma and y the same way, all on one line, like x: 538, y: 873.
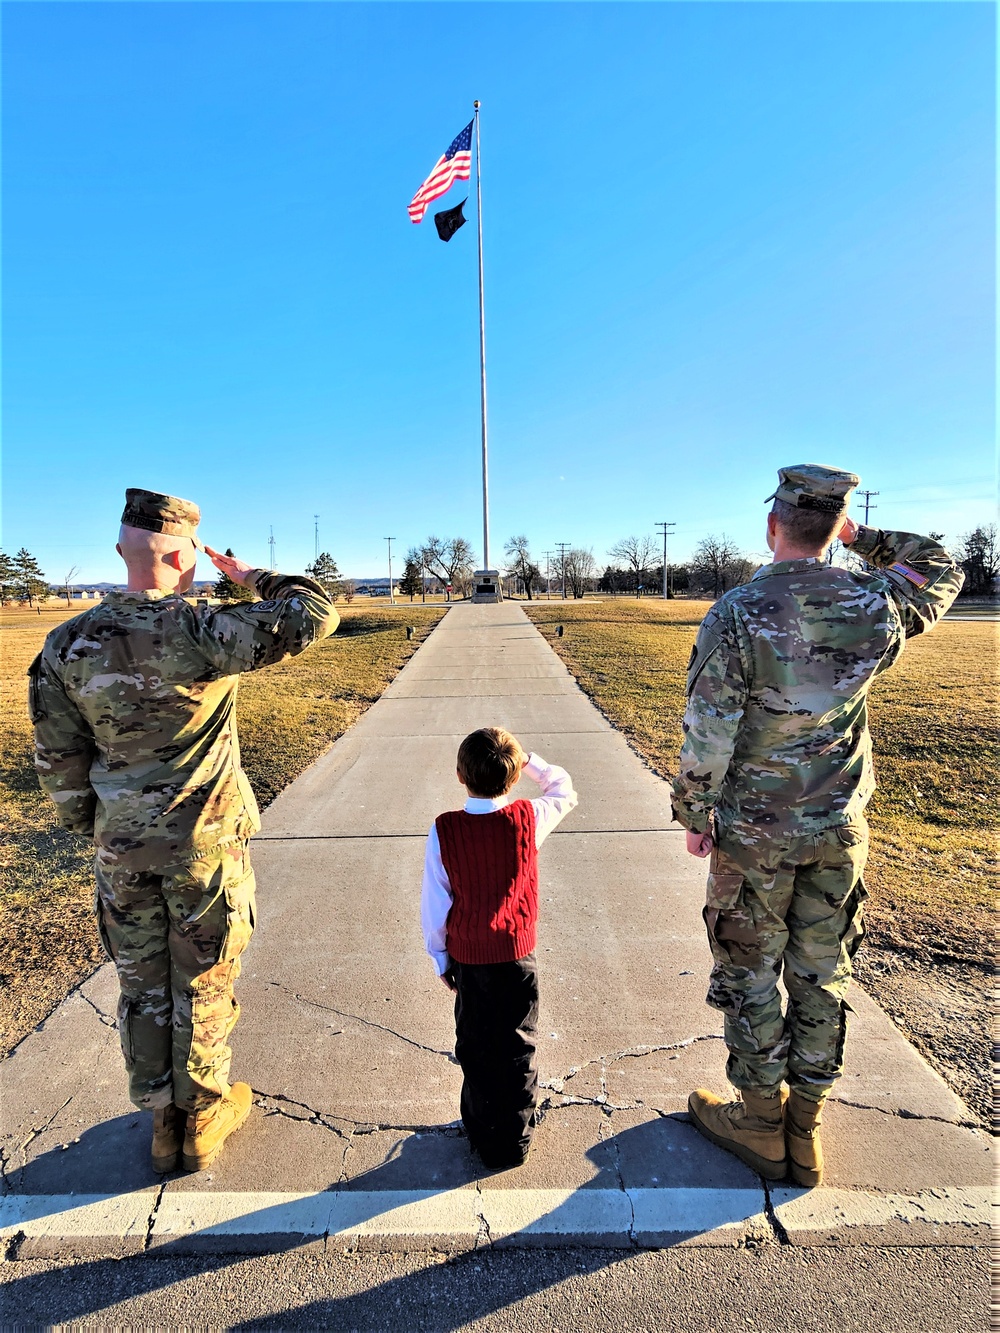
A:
x: 492, y: 866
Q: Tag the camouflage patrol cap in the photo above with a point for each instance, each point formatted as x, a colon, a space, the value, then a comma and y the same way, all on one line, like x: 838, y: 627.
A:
x: 813, y: 486
x: 160, y: 513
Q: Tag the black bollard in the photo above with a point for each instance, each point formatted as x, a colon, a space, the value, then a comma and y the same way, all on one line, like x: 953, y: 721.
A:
x: 559, y: 631
x: 409, y: 631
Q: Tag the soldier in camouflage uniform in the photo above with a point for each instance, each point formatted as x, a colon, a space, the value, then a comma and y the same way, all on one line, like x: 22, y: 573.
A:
x: 775, y: 773
x: 135, y: 738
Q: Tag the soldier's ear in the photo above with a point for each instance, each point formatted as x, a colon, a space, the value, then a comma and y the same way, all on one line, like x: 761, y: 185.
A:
x: 173, y: 559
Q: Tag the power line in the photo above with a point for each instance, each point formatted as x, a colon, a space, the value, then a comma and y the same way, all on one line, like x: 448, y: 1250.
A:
x: 665, y: 527
x: 390, y: 540
x: 548, y: 575
x: 868, y: 502
x: 563, y: 548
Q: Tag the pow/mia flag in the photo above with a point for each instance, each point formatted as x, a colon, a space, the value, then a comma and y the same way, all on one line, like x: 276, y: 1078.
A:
x: 450, y: 220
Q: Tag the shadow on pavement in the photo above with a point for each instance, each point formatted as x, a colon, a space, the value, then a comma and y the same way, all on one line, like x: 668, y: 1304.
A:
x: 647, y: 1150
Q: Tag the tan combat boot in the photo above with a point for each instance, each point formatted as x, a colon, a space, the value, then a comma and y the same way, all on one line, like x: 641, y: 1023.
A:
x: 805, y: 1152
x: 168, y: 1131
x: 751, y: 1128
x: 208, y: 1130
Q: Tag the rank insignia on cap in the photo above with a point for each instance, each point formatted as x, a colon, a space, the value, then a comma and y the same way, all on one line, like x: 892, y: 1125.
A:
x: 910, y: 574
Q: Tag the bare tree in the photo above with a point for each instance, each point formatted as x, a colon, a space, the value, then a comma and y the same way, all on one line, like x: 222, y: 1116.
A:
x: 350, y: 588
x: 718, y: 564
x: 636, y: 554
x: 71, y: 574
x: 520, y: 565
x: 450, y: 560
x: 580, y: 568
x: 980, y: 557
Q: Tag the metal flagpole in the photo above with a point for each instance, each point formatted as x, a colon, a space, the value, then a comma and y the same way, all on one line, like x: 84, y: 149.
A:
x: 482, y: 350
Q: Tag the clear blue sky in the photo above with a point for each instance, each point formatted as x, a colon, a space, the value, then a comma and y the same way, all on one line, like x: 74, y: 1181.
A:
x: 719, y: 237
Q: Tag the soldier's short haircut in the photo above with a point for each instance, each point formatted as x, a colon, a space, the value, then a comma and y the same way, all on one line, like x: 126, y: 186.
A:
x: 489, y: 761
x: 806, y: 527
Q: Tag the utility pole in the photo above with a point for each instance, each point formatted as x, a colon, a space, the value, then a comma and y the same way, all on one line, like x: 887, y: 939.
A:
x: 548, y: 575
x: 665, y: 527
x: 390, y: 541
x: 270, y: 542
x: 563, y: 548
x: 868, y: 502
x: 315, y: 536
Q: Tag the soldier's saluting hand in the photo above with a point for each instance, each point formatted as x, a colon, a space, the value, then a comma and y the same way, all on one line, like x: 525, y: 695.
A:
x: 135, y: 741
x: 775, y: 774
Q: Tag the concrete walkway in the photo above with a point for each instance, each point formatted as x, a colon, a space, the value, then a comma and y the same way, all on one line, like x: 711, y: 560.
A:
x: 346, y: 1033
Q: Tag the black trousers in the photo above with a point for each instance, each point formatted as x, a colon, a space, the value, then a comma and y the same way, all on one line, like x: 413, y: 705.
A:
x: 496, y: 1024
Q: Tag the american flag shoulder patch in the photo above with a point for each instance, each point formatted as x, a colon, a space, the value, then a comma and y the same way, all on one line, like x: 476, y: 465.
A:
x: 909, y: 573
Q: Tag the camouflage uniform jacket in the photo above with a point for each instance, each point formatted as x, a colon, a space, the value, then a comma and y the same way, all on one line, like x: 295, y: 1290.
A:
x: 776, y: 734
x: 133, y: 709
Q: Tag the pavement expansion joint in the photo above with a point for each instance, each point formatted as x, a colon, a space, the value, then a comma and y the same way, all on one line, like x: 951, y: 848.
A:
x: 366, y: 1022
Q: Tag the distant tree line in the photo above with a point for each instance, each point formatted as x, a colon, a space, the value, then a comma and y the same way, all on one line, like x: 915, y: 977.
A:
x: 446, y: 565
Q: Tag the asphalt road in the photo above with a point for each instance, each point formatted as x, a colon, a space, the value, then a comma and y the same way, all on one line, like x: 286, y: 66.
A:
x: 768, y: 1290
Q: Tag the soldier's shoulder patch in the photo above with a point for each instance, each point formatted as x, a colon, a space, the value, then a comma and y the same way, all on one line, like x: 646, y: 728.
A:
x: 907, y: 573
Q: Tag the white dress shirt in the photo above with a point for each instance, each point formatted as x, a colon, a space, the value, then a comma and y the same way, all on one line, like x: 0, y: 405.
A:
x: 556, y: 801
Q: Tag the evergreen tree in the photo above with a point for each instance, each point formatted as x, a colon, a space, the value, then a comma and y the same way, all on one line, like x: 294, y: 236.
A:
x: 7, y: 578
x: 229, y: 590
x: 412, y: 581
x: 30, y: 584
x: 324, y: 570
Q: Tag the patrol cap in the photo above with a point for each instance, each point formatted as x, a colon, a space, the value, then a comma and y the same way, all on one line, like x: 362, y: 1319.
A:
x: 160, y: 513
x: 813, y: 486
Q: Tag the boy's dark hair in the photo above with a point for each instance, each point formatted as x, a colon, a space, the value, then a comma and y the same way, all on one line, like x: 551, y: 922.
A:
x: 489, y: 761
x: 806, y: 527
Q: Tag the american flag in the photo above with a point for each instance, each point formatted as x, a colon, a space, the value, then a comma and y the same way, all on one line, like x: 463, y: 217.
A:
x: 453, y: 165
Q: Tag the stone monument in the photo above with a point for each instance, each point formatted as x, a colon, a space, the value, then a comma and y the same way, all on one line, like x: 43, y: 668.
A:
x: 486, y: 586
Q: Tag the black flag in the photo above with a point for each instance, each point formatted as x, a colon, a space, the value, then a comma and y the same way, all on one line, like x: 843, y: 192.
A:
x: 450, y: 220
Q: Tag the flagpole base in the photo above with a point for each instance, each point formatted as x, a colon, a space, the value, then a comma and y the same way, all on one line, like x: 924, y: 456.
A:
x: 486, y: 586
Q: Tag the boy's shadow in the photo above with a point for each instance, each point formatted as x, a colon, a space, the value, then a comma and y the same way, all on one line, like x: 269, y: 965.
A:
x: 656, y: 1154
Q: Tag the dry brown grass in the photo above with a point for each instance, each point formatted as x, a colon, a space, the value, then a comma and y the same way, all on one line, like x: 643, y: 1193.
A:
x: 287, y: 716
x: 934, y: 858
x: 933, y: 720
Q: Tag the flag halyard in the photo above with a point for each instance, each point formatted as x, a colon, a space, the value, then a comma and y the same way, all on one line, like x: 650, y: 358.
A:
x: 455, y: 164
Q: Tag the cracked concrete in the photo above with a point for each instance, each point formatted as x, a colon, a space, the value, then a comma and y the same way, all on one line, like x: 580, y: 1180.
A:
x: 347, y: 1036
x: 106, y: 1019
x: 365, y: 1022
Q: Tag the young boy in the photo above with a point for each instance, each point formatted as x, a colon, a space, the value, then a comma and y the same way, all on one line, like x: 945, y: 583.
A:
x: 479, y: 911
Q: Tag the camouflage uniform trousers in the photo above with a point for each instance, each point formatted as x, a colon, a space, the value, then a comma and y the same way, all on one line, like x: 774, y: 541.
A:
x: 791, y: 905
x: 175, y: 938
